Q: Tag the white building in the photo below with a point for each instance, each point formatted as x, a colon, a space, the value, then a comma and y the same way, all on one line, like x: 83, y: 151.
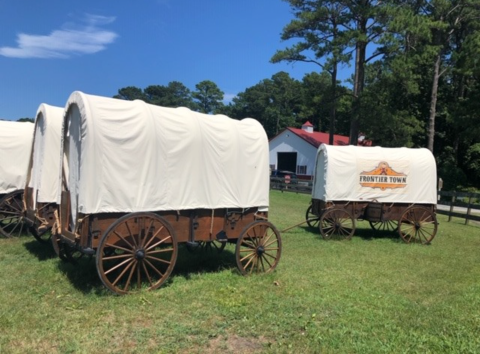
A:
x: 296, y: 149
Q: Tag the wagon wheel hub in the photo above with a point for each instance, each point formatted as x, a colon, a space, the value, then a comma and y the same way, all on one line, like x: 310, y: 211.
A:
x: 139, y: 255
x: 260, y: 250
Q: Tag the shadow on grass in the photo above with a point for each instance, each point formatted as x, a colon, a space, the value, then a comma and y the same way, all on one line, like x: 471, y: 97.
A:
x: 203, y: 261
x: 371, y: 235
x: 43, y: 251
x: 366, y: 234
x: 84, y: 277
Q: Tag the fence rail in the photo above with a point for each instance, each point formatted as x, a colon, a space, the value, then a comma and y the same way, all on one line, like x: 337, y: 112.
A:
x: 453, y: 204
x: 459, y: 205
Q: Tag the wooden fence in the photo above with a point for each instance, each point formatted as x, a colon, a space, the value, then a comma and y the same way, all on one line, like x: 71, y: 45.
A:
x: 460, y: 205
x: 453, y: 204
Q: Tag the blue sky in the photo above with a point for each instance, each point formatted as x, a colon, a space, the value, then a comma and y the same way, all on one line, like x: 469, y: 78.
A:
x: 48, y: 49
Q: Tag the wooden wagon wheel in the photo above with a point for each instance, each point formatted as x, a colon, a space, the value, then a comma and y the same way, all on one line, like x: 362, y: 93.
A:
x: 43, y: 232
x: 258, y: 248
x: 417, y: 225
x: 11, y: 214
x: 337, y: 224
x: 59, y: 247
x: 138, y: 250
x: 43, y: 235
x: 388, y: 225
x: 311, y: 218
x: 207, y: 246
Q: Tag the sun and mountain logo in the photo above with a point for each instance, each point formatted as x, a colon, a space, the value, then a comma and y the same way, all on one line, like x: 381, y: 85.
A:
x: 383, y: 177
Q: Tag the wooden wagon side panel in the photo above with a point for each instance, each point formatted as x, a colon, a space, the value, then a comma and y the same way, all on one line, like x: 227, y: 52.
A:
x: 189, y: 225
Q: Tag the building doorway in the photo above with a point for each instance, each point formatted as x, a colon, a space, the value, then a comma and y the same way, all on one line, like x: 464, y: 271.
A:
x: 287, y: 161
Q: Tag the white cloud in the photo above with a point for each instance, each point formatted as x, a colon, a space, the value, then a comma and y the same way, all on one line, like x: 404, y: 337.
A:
x: 63, y: 43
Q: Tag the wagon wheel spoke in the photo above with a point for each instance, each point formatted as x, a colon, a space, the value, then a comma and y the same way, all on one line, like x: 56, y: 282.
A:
x: 124, y: 240
x: 158, y: 260
x: 258, y: 248
x: 163, y: 250
x: 147, y: 245
x: 387, y: 225
x: 130, y: 236
x: 417, y: 225
x: 137, y: 251
x: 154, y: 268
x: 11, y: 215
x: 337, y: 224
x: 158, y: 243
x: 311, y: 219
x: 147, y: 274
x: 129, y: 278
x: 118, y: 247
x: 119, y: 256
x: 126, y: 262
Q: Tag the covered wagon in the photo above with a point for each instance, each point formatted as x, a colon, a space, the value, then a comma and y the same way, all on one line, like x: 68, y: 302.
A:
x: 139, y: 179
x: 15, y: 145
x: 392, y: 188
x: 42, y: 191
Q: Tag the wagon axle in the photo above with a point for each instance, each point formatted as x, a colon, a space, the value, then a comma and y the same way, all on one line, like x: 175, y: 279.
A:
x: 260, y: 250
x: 139, y: 255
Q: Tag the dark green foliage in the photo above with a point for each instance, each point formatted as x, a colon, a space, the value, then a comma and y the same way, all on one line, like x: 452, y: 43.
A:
x: 130, y: 93
x: 274, y: 102
x: 208, y: 97
x: 175, y: 94
x: 31, y: 120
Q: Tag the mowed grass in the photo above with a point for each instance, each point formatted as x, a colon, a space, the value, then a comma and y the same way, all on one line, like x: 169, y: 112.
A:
x: 373, y: 294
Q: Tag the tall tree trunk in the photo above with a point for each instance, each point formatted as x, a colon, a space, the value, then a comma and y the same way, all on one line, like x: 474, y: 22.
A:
x: 433, y: 103
x: 358, y: 85
x: 333, y: 110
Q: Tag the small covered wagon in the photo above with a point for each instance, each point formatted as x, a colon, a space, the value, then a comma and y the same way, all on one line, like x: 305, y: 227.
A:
x: 392, y: 188
x: 138, y: 180
x: 42, y: 196
x: 15, y: 145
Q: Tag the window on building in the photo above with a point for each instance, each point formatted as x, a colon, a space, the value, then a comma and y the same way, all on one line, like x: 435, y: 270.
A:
x: 301, y: 169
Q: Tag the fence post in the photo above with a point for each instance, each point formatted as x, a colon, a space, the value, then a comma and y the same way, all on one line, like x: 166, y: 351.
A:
x: 469, y: 208
x: 451, y: 206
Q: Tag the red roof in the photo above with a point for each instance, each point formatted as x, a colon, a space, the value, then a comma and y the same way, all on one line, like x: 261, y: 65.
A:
x: 318, y: 138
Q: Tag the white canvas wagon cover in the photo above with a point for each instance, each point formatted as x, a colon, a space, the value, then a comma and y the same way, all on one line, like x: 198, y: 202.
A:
x: 45, y: 159
x: 15, y: 146
x: 388, y: 175
x: 127, y: 156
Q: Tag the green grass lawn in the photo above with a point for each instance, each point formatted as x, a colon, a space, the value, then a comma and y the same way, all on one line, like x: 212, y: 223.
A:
x: 373, y: 294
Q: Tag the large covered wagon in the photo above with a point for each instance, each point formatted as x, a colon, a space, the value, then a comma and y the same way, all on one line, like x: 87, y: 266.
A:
x: 15, y: 145
x: 392, y: 188
x: 138, y: 180
x: 42, y: 191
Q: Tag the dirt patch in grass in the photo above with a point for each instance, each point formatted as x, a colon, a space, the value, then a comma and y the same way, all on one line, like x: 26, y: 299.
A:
x: 235, y: 344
